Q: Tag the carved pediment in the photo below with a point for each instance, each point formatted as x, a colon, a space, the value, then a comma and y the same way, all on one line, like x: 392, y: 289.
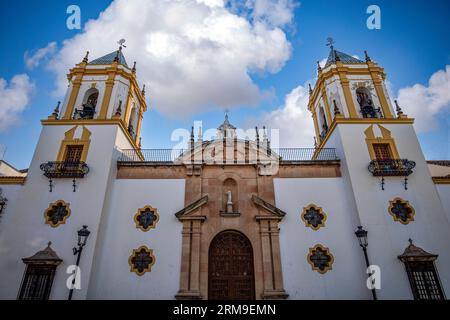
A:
x: 275, y: 213
x: 186, y: 212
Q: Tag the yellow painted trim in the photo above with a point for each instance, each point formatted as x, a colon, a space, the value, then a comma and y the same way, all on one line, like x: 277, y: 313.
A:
x: 374, y: 73
x: 348, y: 96
x: 311, y: 252
x: 155, y: 212
x: 119, y: 122
x: 338, y: 71
x: 320, y: 210
x: 69, y: 140
x: 128, y: 106
x: 337, y: 121
x: 437, y: 180
x: 12, y: 180
x: 109, y: 85
x: 128, y: 75
x: 391, y: 206
x: 386, y: 138
x: 76, y: 84
x: 50, y: 207
x: 138, y: 128
x: 149, y: 268
x: 327, y: 106
x: 316, y: 126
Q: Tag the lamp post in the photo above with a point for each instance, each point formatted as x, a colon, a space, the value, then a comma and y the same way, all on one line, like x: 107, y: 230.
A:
x: 83, y: 234
x: 3, y: 201
x: 361, y: 234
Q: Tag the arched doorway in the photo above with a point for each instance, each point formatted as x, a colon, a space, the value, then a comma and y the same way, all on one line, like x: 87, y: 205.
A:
x: 230, y: 271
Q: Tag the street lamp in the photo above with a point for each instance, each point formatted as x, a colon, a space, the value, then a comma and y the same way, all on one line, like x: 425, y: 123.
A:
x: 83, y: 234
x: 3, y: 201
x: 361, y: 234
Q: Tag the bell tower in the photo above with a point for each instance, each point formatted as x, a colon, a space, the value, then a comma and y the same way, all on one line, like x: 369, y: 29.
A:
x: 104, y: 90
x: 381, y: 159
x: 348, y: 88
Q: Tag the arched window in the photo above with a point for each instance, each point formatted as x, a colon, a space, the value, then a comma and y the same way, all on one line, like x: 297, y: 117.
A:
x: 323, y: 123
x: 365, y: 102
x: 132, y: 122
x: 87, y: 110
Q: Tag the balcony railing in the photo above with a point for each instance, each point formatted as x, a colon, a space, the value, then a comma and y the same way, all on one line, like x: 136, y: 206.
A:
x: 64, y: 169
x: 391, y: 167
x: 281, y: 154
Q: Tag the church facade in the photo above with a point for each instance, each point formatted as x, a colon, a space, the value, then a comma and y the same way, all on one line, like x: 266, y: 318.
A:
x: 227, y: 218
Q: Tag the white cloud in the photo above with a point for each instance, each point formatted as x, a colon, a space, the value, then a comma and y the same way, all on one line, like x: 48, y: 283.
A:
x: 425, y: 103
x: 14, y: 97
x: 192, y: 54
x: 293, y: 120
x: 33, y: 60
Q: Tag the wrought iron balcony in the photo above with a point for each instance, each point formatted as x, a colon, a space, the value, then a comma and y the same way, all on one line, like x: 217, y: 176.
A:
x: 391, y: 167
x: 64, y: 169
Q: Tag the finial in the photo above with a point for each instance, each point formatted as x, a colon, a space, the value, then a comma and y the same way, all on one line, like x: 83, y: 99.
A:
x: 319, y: 68
x: 119, y: 109
x: 310, y: 89
x: 192, y: 133
x: 398, y: 109
x: 85, y: 59
x: 257, y: 133
x: 367, y: 56
x: 56, y: 111
x: 117, y: 58
x: 143, y: 90
x: 336, y: 57
x: 49, y: 244
x: 410, y: 241
x: 134, y: 67
x: 336, y: 109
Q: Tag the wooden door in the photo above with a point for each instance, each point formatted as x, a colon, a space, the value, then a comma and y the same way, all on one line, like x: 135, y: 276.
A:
x: 231, y: 274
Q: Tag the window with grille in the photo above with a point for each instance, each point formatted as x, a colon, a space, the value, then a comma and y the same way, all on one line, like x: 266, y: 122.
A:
x: 382, y: 151
x: 37, y: 282
x: 73, y: 154
x: 424, y: 280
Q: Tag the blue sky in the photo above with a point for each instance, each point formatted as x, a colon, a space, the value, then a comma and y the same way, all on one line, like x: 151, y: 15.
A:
x: 412, y: 45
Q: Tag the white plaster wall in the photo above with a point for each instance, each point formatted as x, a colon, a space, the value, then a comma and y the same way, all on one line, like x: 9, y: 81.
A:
x: 387, y: 238
x: 23, y: 229
x: 346, y: 280
x: 444, y: 194
x: 112, y: 278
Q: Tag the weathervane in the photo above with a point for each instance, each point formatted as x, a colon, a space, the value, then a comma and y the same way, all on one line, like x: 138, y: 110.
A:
x: 330, y: 42
x: 121, y: 43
